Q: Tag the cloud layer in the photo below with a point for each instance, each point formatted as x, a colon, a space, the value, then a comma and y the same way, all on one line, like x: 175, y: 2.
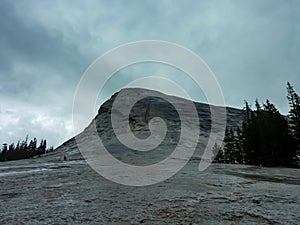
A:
x: 252, y: 46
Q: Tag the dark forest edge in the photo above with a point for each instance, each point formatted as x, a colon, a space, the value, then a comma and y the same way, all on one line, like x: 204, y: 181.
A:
x: 24, y: 150
x: 266, y: 138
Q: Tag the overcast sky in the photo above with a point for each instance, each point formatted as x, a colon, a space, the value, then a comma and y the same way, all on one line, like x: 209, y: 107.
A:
x: 252, y: 46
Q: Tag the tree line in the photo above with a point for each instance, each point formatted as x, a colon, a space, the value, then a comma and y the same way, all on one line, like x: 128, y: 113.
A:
x: 24, y: 149
x: 266, y: 138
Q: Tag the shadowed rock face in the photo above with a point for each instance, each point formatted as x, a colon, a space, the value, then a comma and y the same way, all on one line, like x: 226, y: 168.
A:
x: 140, y: 114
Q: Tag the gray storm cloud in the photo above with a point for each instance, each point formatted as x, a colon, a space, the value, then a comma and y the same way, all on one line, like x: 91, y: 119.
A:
x: 252, y: 46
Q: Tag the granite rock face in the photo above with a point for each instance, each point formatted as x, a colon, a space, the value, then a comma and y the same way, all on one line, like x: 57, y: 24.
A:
x: 140, y: 114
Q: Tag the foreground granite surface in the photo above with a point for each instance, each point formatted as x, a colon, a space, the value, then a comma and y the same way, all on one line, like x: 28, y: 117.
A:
x: 40, y: 192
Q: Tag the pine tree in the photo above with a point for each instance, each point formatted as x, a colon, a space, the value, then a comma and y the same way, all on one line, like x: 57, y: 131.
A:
x: 239, y: 145
x: 218, y: 154
x: 3, y: 154
x: 294, y: 114
x: 267, y: 138
x: 251, y: 141
x: 230, y: 150
x: 44, y: 147
x: 247, y: 110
